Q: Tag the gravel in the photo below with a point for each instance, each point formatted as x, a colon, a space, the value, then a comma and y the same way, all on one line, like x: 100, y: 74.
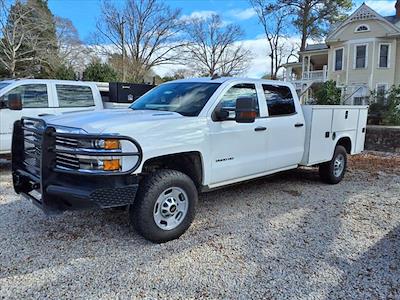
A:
x: 287, y: 236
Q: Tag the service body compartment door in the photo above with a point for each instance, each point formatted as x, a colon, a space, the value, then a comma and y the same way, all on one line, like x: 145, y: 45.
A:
x: 321, y: 141
x: 361, y: 130
x: 344, y: 119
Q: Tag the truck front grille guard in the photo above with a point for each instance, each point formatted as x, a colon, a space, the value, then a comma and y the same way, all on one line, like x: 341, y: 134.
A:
x: 45, y: 155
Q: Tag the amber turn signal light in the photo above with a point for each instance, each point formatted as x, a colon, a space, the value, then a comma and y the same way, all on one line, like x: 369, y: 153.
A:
x: 248, y: 114
x: 111, y: 144
x: 111, y: 165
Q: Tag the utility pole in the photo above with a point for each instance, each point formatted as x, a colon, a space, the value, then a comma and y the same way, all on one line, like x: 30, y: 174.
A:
x: 123, y: 49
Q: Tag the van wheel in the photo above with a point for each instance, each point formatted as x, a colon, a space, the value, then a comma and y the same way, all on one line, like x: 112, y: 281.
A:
x: 165, y: 206
x: 333, y: 171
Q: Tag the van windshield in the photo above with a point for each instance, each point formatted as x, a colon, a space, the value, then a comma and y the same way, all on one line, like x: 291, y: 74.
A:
x: 185, y: 98
x: 3, y: 84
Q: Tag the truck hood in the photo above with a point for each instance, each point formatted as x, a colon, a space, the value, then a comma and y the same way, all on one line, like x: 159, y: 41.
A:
x: 107, y: 119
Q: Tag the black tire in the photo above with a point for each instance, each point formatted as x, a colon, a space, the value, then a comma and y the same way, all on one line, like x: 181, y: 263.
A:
x: 153, y: 186
x: 327, y: 170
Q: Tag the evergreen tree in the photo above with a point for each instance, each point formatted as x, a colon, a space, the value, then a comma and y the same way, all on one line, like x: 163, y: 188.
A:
x: 45, y: 56
x: 97, y: 71
x: 64, y: 72
x: 312, y: 18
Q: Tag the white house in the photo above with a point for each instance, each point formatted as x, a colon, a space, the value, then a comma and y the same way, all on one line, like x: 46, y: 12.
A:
x: 361, y: 54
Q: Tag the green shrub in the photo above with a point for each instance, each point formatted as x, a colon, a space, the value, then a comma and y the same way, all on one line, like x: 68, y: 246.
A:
x: 392, y: 113
x: 328, y: 94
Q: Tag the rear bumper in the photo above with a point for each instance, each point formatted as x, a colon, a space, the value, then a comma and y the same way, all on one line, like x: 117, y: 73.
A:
x: 55, y: 190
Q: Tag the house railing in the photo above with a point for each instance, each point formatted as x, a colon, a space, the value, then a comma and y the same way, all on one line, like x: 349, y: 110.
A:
x: 319, y: 75
x: 316, y: 75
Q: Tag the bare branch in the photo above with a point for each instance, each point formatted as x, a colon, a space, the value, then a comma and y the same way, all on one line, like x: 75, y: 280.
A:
x: 213, y: 48
x: 148, y: 30
x: 274, y: 23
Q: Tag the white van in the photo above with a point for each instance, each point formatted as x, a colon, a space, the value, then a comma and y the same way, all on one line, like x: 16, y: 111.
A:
x: 40, y: 97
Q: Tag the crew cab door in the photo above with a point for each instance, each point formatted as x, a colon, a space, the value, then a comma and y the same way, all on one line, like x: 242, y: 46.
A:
x: 237, y: 149
x: 35, y: 102
x: 286, y: 127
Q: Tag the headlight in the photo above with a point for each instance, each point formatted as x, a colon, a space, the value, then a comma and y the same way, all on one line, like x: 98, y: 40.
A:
x: 96, y: 155
x: 105, y: 163
x: 107, y: 144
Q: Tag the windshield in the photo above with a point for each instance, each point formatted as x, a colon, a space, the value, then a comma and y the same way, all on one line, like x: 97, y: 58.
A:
x: 4, y: 84
x: 186, y: 98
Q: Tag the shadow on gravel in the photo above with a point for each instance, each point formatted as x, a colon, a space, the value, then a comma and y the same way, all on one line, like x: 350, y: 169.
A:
x: 87, y: 232
x: 241, y: 220
x: 379, y: 266
x: 292, y: 266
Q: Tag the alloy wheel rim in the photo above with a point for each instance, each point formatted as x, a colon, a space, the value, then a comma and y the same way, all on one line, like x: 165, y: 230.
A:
x: 170, y: 208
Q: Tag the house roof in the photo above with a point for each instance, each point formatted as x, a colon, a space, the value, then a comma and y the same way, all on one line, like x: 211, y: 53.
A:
x: 364, y: 12
x: 392, y: 19
x: 314, y: 47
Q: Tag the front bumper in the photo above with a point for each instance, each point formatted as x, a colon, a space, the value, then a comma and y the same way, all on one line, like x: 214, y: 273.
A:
x: 37, y: 177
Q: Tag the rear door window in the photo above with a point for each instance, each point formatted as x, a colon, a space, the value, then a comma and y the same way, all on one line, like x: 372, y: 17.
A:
x: 279, y: 99
x: 32, y: 95
x: 74, y: 96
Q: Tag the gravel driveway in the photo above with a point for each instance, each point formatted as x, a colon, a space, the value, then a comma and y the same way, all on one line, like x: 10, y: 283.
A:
x: 287, y: 236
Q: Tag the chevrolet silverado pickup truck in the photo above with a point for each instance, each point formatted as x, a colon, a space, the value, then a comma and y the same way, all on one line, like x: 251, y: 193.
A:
x: 39, y: 97
x: 179, y: 139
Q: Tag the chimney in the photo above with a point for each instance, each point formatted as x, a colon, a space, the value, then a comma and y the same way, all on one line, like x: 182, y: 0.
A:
x: 397, y: 8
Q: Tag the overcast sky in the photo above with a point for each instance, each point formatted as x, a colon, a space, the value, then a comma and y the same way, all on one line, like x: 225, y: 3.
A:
x: 84, y: 14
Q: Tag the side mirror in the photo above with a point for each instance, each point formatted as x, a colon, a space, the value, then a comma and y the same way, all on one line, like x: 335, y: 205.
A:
x: 222, y: 114
x: 14, y: 102
x: 246, y: 110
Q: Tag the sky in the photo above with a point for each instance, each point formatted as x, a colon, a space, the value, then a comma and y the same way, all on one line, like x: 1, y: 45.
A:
x: 84, y: 13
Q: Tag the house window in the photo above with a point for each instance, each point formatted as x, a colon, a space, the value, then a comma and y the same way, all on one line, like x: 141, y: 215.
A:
x: 360, y: 95
x: 362, y: 28
x: 381, y: 94
x: 384, y: 56
x: 339, y: 59
x: 361, y: 57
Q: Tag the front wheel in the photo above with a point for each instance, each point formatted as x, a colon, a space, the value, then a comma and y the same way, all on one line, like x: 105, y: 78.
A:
x: 165, y: 206
x: 333, y: 171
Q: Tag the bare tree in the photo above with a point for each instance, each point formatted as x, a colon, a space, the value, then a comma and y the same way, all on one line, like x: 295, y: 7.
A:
x: 274, y: 23
x: 22, y: 40
x: 213, y: 48
x: 71, y: 51
x: 144, y: 32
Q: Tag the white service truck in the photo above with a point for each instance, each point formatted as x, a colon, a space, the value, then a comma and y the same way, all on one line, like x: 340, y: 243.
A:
x: 40, y: 97
x: 181, y: 138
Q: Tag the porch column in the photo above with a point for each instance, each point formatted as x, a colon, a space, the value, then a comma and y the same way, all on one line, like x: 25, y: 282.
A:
x: 303, y: 67
x: 289, y: 74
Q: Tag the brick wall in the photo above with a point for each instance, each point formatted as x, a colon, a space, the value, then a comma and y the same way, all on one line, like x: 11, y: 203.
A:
x: 383, y: 138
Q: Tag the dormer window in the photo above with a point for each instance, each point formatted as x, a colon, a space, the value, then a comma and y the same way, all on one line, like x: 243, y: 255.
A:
x: 362, y: 28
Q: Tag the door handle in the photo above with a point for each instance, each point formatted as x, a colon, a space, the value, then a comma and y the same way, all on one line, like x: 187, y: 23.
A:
x: 298, y: 125
x: 260, y: 128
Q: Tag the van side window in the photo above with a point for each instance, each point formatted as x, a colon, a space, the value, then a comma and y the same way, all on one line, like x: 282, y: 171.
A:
x: 228, y: 100
x: 279, y: 100
x: 74, y: 95
x: 32, y: 95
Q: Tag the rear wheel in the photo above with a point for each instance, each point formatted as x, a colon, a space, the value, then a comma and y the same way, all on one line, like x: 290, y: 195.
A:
x: 333, y: 171
x: 165, y: 206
